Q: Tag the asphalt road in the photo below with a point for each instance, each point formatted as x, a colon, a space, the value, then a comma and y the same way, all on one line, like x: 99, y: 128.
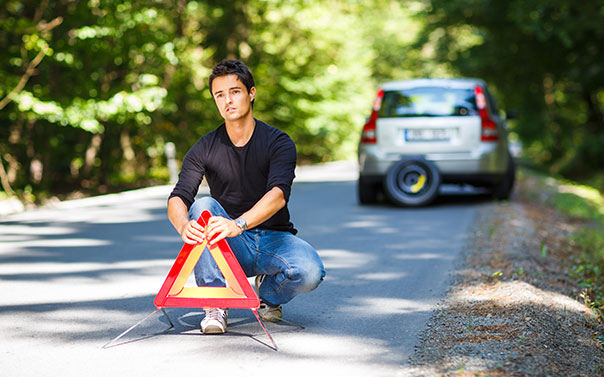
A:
x: 75, y: 276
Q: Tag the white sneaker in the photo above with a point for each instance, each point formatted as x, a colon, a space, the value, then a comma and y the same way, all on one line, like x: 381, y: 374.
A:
x: 215, y: 321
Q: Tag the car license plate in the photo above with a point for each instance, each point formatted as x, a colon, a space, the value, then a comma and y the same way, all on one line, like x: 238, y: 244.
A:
x: 430, y: 134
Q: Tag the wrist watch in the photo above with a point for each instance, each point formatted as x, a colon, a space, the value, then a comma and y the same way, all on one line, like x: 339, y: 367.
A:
x: 241, y: 223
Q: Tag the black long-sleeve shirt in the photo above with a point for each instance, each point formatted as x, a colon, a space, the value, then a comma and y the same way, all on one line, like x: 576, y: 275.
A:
x: 240, y: 176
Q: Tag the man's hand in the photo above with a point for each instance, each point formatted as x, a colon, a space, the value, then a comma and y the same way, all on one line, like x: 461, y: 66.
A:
x: 220, y: 228
x: 192, y: 233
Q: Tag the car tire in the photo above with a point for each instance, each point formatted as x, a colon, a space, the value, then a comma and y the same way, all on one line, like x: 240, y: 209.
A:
x: 504, y: 189
x: 367, y: 191
x: 412, y: 182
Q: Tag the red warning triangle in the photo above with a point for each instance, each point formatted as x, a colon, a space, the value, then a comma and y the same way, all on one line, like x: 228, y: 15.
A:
x: 238, y: 292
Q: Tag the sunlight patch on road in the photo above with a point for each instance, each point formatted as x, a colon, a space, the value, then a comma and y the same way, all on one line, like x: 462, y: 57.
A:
x: 175, y: 239
x: 337, y: 171
x: 387, y: 230
x: 99, y: 215
x: 363, y: 224
x: 423, y: 242
x: 70, y: 290
x: 26, y: 230
x: 387, y: 306
x: 520, y: 293
x: 382, y: 276
x: 423, y: 256
x: 14, y: 269
x: 325, y: 346
x: 126, y: 217
x: 80, y: 282
x: 62, y: 242
x: 338, y: 258
x: 132, y: 196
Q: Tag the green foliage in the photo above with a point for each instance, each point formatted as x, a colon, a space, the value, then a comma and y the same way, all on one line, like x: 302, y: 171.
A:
x: 116, y: 80
x: 586, y: 204
x: 544, y: 57
x: 586, y: 244
x: 578, y: 206
x: 92, y: 90
x: 577, y: 200
x: 588, y: 268
x: 313, y: 80
x: 104, y: 72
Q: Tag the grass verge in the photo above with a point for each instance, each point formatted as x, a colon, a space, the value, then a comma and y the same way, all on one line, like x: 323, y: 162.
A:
x: 584, y: 204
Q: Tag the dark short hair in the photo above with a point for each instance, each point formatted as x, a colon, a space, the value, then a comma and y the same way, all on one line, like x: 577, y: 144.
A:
x: 233, y: 67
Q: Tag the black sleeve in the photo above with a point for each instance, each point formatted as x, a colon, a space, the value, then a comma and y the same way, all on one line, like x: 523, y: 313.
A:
x: 190, y: 176
x: 282, y: 164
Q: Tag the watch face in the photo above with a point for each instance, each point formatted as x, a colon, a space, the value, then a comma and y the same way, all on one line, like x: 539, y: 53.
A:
x: 241, y: 223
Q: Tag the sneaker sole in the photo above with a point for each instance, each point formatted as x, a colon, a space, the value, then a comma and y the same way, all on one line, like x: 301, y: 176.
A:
x: 270, y: 319
x: 213, y: 330
x: 267, y: 317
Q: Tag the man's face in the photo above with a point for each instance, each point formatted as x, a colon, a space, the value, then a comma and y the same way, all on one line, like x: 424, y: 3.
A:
x: 231, y: 97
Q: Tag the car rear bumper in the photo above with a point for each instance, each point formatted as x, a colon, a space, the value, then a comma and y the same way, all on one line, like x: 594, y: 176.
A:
x: 488, y: 160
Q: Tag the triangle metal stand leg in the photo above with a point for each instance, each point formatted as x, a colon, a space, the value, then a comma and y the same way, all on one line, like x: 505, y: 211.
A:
x: 168, y: 318
x: 265, y: 330
x: 110, y: 343
x: 107, y: 345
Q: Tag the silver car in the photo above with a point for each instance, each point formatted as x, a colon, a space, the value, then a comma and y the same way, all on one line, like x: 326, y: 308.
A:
x: 425, y: 132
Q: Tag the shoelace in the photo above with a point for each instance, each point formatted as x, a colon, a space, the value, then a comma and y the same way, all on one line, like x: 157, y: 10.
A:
x: 217, y: 314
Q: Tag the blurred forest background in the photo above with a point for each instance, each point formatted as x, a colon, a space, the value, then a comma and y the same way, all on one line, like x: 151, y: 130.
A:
x: 91, y: 91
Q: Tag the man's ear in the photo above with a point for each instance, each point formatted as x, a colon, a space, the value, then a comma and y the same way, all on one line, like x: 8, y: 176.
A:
x: 252, y: 93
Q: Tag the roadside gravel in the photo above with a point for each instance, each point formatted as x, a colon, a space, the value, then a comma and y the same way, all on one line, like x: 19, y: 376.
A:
x: 512, y: 310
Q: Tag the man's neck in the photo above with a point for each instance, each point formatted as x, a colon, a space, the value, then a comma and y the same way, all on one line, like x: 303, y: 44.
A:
x: 240, y: 131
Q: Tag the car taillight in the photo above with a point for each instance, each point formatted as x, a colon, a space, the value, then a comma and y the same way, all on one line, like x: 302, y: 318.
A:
x: 488, y: 126
x: 369, y: 134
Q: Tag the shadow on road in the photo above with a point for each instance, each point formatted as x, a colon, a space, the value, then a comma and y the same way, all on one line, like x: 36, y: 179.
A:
x: 88, y: 274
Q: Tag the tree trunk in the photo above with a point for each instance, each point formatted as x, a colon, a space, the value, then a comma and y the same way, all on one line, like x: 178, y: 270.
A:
x: 91, y: 153
x: 4, y: 180
x: 129, y: 163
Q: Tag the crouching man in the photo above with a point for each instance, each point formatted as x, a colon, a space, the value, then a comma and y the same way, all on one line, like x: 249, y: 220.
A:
x: 249, y: 167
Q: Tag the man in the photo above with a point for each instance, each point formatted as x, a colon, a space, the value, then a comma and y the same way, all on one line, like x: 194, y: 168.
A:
x: 249, y: 167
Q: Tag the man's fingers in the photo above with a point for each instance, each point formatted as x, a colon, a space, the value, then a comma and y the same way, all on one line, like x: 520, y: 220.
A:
x: 213, y: 221
x: 193, y: 233
x: 192, y: 239
x: 214, y: 229
x: 189, y: 241
x: 195, y: 225
x: 196, y: 233
x: 220, y: 236
x: 216, y: 224
x: 219, y: 228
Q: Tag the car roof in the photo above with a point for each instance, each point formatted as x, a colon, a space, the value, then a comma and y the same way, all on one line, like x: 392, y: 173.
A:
x: 457, y: 83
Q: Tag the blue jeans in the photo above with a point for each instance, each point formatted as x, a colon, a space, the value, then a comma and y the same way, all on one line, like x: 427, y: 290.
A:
x: 290, y: 264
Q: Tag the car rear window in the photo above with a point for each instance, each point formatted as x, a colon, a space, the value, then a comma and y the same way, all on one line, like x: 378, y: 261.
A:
x: 428, y: 101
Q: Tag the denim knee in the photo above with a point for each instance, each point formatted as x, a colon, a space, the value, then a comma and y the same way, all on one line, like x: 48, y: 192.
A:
x: 205, y: 203
x: 307, y: 275
x: 311, y: 278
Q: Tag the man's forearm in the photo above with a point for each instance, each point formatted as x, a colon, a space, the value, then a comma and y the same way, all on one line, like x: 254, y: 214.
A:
x: 177, y: 213
x: 265, y: 208
x: 219, y: 227
x: 190, y: 231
